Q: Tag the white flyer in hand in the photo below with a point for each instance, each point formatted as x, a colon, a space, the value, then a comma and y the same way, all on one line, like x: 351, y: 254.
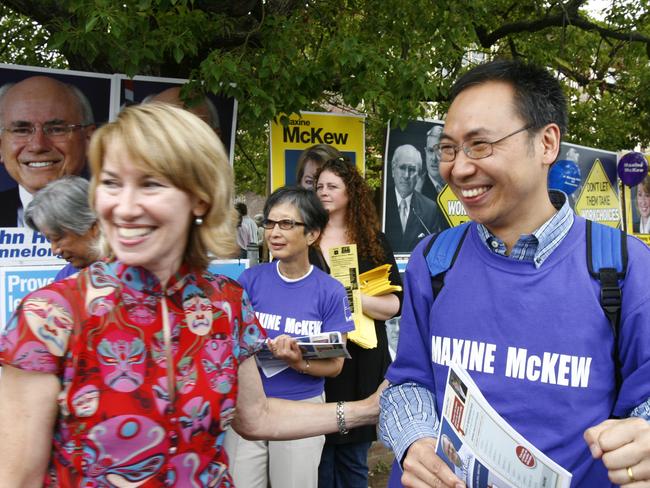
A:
x: 482, y: 449
x: 318, y: 346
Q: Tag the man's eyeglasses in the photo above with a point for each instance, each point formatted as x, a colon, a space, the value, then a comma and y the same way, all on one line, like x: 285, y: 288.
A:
x: 285, y: 224
x: 446, y: 152
x: 53, y: 131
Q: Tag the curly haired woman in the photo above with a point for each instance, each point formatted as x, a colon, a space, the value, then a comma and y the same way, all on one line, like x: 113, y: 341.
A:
x: 353, y: 220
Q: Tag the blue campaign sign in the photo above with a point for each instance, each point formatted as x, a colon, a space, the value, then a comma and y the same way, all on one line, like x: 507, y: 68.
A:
x: 18, y: 281
x: 21, y: 246
x: 564, y: 175
x: 231, y: 268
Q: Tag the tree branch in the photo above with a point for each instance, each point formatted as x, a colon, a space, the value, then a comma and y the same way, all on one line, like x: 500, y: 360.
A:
x: 569, y: 16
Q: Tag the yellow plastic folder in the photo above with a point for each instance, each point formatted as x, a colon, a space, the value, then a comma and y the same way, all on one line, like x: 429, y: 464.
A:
x: 374, y: 283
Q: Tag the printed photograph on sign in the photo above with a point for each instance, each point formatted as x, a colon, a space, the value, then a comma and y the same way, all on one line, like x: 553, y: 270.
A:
x: 309, y: 140
x: 588, y: 176
x: 637, y: 207
x: 417, y: 202
x: 48, y: 116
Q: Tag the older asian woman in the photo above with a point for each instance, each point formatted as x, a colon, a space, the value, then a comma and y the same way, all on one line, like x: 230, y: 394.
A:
x: 60, y: 211
x: 129, y: 373
x: 296, y: 299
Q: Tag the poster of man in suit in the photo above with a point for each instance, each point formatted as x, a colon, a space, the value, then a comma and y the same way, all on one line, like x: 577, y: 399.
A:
x: 46, y: 117
x: 411, y: 185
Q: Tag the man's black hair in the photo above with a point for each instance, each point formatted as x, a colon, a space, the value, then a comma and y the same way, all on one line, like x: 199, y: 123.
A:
x: 539, y: 99
x: 241, y: 208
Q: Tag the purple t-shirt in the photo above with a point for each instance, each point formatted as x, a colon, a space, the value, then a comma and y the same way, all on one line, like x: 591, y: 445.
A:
x: 536, y: 341
x: 67, y: 270
x: 315, y: 304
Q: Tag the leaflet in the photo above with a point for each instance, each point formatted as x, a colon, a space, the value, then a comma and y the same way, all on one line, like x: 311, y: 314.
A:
x: 344, y: 266
x: 483, y: 449
x: 317, y: 346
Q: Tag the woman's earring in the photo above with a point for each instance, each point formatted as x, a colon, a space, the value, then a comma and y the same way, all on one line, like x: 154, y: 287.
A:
x: 198, y: 221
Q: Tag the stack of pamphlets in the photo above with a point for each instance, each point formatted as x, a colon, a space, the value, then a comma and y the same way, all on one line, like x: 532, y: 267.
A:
x: 376, y: 282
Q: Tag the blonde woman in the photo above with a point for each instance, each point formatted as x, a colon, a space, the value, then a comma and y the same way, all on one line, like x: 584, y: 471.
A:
x: 128, y: 373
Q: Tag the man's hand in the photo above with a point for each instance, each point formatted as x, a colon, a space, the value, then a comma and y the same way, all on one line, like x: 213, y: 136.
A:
x: 424, y: 469
x: 624, y: 447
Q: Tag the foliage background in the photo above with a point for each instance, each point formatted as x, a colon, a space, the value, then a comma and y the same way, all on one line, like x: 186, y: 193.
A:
x: 390, y: 59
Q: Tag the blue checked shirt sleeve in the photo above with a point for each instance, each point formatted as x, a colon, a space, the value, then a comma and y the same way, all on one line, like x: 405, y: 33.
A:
x: 407, y: 413
x: 642, y: 411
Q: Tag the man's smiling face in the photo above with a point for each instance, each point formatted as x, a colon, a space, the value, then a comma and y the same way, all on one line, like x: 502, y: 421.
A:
x: 35, y: 161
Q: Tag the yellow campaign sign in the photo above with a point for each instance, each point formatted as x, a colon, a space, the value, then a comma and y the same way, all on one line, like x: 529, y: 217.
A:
x: 451, y: 207
x: 345, y: 132
x: 597, y: 200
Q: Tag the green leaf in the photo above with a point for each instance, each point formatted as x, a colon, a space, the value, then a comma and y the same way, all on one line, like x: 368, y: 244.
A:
x: 91, y: 23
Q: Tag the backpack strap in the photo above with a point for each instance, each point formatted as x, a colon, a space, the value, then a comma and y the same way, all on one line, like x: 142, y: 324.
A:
x: 607, y: 263
x: 441, y: 252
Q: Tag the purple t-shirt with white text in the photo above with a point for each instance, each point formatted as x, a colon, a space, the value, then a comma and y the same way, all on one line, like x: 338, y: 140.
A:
x: 315, y: 304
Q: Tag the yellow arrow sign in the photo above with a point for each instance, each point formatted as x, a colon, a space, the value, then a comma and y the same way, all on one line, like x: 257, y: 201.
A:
x: 597, y: 200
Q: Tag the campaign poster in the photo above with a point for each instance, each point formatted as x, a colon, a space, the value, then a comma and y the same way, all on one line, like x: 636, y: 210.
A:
x: 26, y: 263
x: 588, y: 176
x: 18, y: 281
x: 417, y: 201
x: 94, y: 87
x: 343, y: 131
x: 636, y: 204
x: 218, y: 111
x: 231, y: 268
x: 21, y: 246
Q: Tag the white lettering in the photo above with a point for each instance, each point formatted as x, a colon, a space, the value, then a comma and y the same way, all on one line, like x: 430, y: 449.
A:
x: 268, y: 320
x: 488, y: 364
x: 471, y: 355
x: 563, y: 370
x: 580, y: 367
x: 552, y: 368
x: 515, y: 363
x: 533, y: 368
x: 304, y: 328
x: 548, y: 368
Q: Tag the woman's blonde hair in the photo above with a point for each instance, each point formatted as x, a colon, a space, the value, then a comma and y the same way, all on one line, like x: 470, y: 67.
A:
x: 177, y: 145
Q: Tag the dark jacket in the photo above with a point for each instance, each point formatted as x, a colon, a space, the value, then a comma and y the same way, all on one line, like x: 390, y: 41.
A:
x: 424, y: 218
x: 9, y: 203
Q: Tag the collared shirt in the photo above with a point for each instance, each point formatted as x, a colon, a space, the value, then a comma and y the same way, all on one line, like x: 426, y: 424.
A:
x: 539, y: 245
x: 398, y: 199
x: 408, y: 411
x: 25, y: 199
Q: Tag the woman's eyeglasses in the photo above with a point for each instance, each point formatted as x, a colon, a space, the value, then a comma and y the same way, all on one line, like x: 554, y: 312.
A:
x: 285, y: 224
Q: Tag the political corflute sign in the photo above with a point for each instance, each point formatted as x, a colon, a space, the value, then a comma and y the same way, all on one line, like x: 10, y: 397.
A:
x: 342, y: 131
